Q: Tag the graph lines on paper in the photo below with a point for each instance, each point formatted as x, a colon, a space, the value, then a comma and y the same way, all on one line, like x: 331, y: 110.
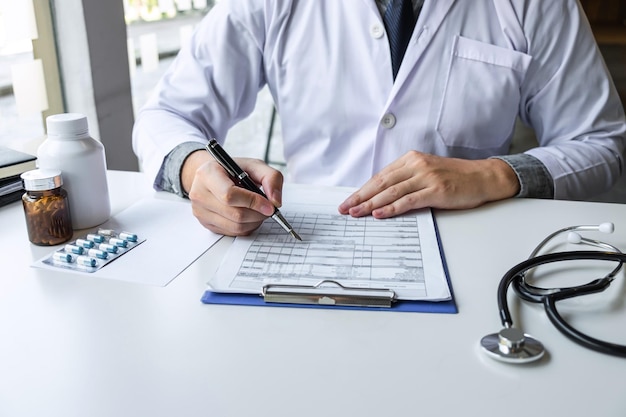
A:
x: 361, y: 252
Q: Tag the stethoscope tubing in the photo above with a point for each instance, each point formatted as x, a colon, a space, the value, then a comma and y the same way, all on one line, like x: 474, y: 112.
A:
x: 518, y: 271
x: 576, y: 336
x: 549, y: 297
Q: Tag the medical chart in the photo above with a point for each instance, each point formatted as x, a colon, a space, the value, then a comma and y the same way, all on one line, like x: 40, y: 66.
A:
x: 401, y: 254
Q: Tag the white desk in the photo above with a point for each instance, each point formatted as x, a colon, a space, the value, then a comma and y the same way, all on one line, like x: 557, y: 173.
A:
x: 75, y: 346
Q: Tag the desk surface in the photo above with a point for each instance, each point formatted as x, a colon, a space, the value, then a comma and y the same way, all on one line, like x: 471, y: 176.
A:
x: 77, y: 346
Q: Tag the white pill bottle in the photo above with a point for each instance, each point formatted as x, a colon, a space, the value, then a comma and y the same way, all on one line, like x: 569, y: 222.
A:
x: 81, y: 159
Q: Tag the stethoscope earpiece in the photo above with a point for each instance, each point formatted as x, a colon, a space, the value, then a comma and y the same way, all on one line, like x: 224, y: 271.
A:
x: 606, y: 227
x: 513, y: 346
x: 574, y: 237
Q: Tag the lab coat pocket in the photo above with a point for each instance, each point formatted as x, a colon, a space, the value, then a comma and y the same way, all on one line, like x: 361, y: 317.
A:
x: 481, y: 97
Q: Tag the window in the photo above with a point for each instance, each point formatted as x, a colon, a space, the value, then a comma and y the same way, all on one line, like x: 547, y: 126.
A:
x: 29, y: 83
x: 156, y: 29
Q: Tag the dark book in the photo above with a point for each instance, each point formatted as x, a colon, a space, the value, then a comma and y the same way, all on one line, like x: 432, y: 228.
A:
x: 14, y: 162
x: 11, y: 184
x: 11, y: 197
x: 11, y: 190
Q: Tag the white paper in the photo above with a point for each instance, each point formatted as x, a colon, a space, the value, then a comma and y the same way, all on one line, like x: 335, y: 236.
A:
x: 29, y: 87
x: 174, y: 240
x: 401, y: 254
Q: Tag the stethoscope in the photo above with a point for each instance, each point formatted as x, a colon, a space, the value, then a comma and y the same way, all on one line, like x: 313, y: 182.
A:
x: 513, y: 345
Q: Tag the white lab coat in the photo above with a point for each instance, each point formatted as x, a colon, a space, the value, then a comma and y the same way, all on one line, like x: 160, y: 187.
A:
x: 471, y: 67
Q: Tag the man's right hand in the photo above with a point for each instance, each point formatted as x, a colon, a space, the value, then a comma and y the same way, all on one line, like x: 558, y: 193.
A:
x: 219, y: 204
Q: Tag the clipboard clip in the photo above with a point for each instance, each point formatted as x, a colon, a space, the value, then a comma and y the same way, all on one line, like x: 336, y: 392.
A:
x: 328, y: 293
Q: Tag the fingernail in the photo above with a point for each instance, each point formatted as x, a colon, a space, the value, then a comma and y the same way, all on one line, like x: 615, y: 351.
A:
x: 345, y: 206
x: 355, y: 211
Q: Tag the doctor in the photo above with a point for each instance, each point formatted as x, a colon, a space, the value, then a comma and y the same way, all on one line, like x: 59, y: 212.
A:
x: 432, y: 132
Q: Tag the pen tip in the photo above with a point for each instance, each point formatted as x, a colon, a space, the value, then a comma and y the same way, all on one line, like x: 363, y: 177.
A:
x: 295, y: 235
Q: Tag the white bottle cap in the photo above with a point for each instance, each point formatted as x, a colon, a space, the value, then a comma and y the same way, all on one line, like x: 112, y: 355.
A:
x: 67, y: 124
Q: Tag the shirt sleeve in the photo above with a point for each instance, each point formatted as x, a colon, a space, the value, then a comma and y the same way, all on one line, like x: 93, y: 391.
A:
x: 195, y: 99
x: 169, y: 176
x: 570, y: 101
x: 534, y: 179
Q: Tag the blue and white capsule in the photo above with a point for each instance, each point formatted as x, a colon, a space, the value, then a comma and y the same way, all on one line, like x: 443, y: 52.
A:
x: 77, y: 250
x: 95, y: 238
x: 118, y: 242
x: 107, y: 247
x: 87, y: 261
x: 131, y: 237
x: 97, y: 253
x: 84, y: 243
x: 62, y: 257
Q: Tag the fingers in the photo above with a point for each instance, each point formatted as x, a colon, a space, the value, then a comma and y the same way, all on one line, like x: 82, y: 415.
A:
x: 424, y: 197
x: 385, y: 187
x: 270, y: 179
x: 232, y: 196
x: 419, y: 180
x: 225, y: 208
x: 392, y: 201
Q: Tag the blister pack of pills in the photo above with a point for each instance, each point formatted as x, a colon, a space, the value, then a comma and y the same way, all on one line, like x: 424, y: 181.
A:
x: 93, y: 251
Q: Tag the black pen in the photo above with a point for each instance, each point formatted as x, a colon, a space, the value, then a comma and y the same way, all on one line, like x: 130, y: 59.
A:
x: 242, y: 179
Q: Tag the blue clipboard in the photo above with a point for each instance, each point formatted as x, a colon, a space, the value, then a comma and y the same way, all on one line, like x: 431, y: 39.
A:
x: 448, y: 307
x: 442, y: 307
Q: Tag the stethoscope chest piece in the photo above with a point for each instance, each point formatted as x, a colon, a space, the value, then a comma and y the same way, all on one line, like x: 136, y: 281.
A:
x: 512, y: 345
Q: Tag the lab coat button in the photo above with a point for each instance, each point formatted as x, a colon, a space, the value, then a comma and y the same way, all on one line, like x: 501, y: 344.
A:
x: 389, y: 121
x: 376, y: 30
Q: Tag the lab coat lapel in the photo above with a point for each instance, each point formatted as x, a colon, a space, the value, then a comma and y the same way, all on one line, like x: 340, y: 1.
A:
x: 372, y: 5
x: 428, y: 23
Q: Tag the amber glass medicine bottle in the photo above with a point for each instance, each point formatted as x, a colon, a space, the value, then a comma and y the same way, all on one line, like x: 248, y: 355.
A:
x: 46, y: 207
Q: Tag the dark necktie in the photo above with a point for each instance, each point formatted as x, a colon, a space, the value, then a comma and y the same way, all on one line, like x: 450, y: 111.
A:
x: 399, y: 21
